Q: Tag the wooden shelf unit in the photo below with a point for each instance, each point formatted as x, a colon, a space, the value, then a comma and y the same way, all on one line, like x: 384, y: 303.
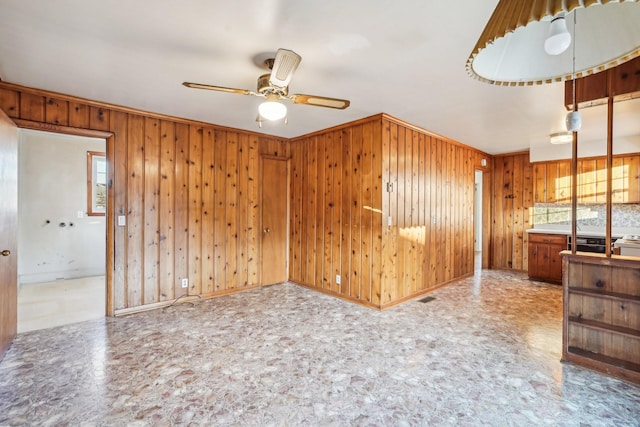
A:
x: 545, y: 262
x: 601, y: 319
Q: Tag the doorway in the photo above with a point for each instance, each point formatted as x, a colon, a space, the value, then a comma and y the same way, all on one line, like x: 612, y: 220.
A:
x: 61, y: 229
x: 274, y: 221
x: 481, y: 214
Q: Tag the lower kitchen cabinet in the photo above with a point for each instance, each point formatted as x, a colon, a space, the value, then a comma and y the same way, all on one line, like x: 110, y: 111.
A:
x: 601, y: 314
x: 545, y: 262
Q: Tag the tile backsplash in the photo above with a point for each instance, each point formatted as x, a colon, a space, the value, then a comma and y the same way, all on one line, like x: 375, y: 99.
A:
x: 623, y: 215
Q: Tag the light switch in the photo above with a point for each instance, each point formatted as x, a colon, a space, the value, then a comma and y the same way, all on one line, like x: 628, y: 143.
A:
x: 122, y: 221
x: 80, y: 214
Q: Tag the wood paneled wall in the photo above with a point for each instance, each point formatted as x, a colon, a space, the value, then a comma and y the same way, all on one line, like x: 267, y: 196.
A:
x: 431, y: 204
x: 189, y: 192
x: 347, y: 181
x: 336, y: 200
x: 512, y: 210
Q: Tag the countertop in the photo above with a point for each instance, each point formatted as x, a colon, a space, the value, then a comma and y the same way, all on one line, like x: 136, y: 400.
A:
x: 616, y: 233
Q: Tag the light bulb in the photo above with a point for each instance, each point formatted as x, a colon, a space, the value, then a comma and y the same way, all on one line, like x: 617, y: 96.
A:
x: 272, y: 110
x: 559, y: 38
x: 574, y: 121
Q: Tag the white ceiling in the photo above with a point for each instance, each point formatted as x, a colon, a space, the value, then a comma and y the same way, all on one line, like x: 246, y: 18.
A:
x: 405, y: 58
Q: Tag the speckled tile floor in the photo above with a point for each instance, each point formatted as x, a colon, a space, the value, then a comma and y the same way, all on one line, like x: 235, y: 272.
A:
x: 485, y: 351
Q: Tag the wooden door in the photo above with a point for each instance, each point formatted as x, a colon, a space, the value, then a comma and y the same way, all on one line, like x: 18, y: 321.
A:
x: 8, y: 232
x: 274, y: 248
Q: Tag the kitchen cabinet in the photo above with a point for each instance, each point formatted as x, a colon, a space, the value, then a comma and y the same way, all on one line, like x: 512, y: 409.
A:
x: 552, y: 180
x: 601, y: 314
x: 545, y: 262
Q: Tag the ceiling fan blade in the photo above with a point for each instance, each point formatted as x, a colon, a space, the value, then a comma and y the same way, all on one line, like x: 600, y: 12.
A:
x: 284, y: 65
x: 218, y: 88
x: 320, y: 101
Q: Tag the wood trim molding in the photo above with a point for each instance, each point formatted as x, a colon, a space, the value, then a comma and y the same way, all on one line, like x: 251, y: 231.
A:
x: 48, y: 127
x: 129, y: 110
x: 513, y: 153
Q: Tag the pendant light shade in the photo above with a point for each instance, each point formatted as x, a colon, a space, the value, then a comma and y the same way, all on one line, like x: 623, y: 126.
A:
x: 526, y: 42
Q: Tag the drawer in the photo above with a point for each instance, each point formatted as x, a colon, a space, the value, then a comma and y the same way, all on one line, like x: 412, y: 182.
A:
x: 557, y: 239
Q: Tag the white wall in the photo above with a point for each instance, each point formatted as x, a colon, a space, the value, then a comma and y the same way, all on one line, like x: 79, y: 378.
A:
x: 52, y: 179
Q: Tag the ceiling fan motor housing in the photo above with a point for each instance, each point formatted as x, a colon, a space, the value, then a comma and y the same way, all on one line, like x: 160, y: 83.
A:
x: 265, y: 87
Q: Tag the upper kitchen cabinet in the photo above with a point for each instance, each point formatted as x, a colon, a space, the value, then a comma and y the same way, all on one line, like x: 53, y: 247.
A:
x: 552, y: 180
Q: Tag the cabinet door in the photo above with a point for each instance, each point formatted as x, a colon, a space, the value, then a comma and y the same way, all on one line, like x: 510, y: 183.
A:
x: 538, y: 260
x: 539, y: 180
x: 555, y: 262
x: 632, y: 164
x: 534, y: 269
x: 587, y: 179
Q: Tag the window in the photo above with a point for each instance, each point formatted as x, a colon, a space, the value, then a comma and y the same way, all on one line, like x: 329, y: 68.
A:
x: 96, y: 183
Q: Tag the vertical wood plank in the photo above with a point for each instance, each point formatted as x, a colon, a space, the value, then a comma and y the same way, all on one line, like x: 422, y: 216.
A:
x: 253, y: 225
x: 79, y: 115
x: 151, y: 219
x: 318, y: 251
x: 135, y: 211
x: 388, y: 257
x: 327, y: 280
x: 428, y: 249
x: 208, y: 211
x: 10, y: 102
x: 433, y: 222
x: 336, y: 208
x: 356, y: 218
x: 232, y: 210
x: 98, y: 118
x: 376, y: 213
x: 367, y: 220
x: 499, y: 253
x: 56, y: 111
x: 195, y: 209
x: 242, y: 229
x: 528, y: 208
x: 220, y: 212
x: 32, y: 107
x: 120, y: 173
x: 181, y: 208
x: 166, y: 210
x: 297, y: 217
x: 312, y: 189
x: 518, y: 213
x: 345, y: 228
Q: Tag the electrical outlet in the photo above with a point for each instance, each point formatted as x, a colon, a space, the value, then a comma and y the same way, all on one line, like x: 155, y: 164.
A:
x: 185, y: 283
x: 337, y: 279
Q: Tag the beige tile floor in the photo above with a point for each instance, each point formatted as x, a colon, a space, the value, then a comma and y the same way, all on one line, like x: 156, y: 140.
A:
x: 62, y: 302
x: 484, y: 352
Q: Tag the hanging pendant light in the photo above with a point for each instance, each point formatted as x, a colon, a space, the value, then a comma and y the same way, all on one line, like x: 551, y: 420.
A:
x: 512, y: 49
x: 559, y: 38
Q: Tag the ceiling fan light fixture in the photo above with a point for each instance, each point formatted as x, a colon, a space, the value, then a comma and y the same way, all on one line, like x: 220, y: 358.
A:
x: 272, y: 109
x: 559, y: 138
x: 559, y: 38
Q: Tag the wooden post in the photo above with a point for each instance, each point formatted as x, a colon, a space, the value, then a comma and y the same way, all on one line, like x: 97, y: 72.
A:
x: 609, y: 174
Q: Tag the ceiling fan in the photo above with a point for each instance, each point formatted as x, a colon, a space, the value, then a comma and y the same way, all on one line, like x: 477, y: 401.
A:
x: 275, y: 86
